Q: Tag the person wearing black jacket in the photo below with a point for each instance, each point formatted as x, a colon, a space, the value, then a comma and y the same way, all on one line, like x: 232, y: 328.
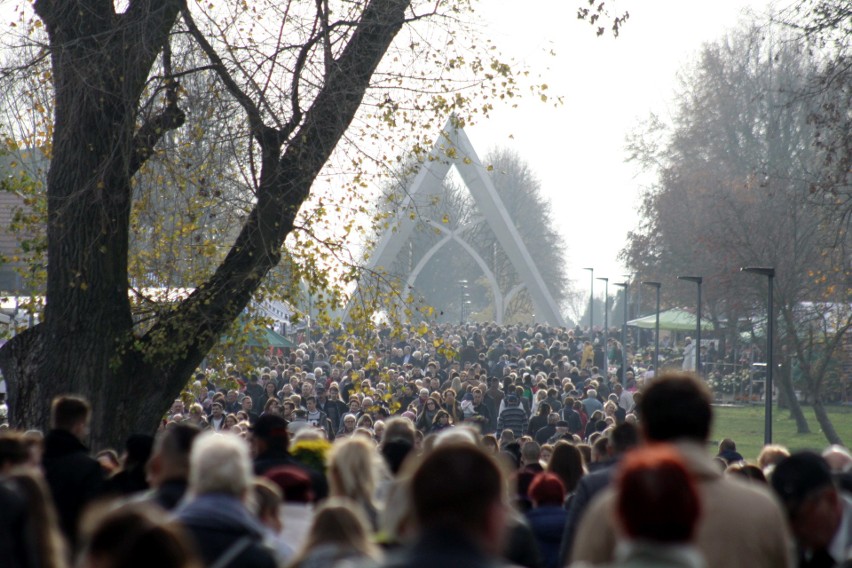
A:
x: 545, y: 433
x: 247, y: 404
x: 334, y: 408
x: 572, y: 417
x: 132, y: 476
x: 481, y: 409
x: 469, y: 353
x: 540, y: 420
x: 16, y: 548
x: 623, y: 438
x: 74, y: 477
x: 255, y: 391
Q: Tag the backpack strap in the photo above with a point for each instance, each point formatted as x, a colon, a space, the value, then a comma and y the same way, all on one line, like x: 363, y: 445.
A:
x: 232, y: 552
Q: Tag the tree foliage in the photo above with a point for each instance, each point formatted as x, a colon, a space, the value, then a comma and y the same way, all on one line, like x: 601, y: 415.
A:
x: 734, y: 170
x: 824, y: 28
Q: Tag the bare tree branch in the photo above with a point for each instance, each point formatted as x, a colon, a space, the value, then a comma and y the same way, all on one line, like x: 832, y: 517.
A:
x: 284, y: 185
x: 265, y: 135
x: 154, y: 129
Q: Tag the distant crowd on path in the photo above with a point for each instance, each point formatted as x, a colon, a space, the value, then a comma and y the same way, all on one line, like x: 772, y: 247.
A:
x: 506, y: 450
x: 488, y: 376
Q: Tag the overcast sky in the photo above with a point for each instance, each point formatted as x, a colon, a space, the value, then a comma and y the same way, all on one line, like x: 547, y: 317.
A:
x: 608, y: 85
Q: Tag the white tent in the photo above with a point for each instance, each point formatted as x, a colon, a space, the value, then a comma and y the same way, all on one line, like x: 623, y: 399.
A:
x: 674, y: 319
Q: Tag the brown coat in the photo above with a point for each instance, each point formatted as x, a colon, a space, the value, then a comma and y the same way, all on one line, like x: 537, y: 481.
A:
x: 741, y: 524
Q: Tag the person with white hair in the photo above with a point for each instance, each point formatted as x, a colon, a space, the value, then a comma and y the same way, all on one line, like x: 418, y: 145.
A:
x: 591, y: 402
x: 688, y: 355
x: 838, y: 458
x: 227, y: 535
x: 347, y: 426
x: 460, y: 435
x: 840, y: 461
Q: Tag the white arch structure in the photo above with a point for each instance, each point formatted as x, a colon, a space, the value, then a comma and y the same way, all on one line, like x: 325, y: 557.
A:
x: 453, y: 148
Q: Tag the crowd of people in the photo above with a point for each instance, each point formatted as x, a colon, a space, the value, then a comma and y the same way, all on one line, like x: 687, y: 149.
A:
x: 468, y: 446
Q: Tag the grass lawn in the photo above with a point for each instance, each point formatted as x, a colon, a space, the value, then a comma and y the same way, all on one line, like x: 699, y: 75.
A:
x: 745, y: 426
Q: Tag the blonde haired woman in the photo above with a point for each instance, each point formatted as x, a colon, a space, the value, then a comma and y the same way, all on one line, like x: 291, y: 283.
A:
x: 540, y: 396
x: 339, y: 536
x: 354, y: 467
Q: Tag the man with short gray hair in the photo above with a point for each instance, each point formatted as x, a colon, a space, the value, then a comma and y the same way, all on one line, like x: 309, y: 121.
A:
x: 591, y: 402
x: 225, y: 533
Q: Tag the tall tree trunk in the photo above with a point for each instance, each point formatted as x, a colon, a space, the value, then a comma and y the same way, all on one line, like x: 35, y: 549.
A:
x: 783, y: 399
x: 785, y: 384
x: 126, y: 398
x: 100, y: 62
x: 815, y: 357
x: 826, y: 424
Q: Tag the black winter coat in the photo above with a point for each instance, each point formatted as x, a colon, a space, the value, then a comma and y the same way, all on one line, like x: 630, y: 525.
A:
x: 439, y: 548
x: 547, y: 524
x: 75, y: 479
x: 17, y: 545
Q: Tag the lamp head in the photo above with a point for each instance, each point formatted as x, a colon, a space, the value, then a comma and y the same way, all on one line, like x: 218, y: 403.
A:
x: 763, y: 270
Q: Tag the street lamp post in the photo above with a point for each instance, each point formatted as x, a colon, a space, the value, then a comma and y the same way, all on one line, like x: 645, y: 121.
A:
x: 591, y: 302
x: 624, y: 286
x: 698, y: 280
x: 462, y: 290
x: 770, y: 276
x: 638, y: 314
x: 606, y: 324
x: 310, y: 315
x: 656, y: 328
x: 606, y: 307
